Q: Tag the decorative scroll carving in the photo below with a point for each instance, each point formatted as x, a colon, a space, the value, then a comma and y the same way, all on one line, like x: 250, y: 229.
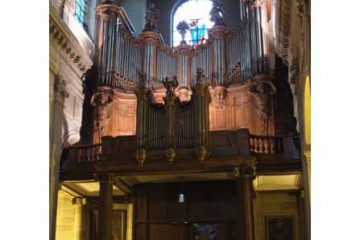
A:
x: 67, y: 44
x: 302, y: 11
x: 60, y: 86
x: 262, y: 90
x: 102, y: 101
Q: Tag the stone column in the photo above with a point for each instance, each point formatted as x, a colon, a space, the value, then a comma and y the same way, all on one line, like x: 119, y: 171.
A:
x: 79, y: 228
x: 245, y: 175
x: 300, y: 202
x: 106, y: 181
x: 57, y: 120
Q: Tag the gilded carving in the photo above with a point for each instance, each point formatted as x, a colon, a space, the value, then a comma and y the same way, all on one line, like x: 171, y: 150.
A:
x: 202, y: 153
x: 262, y: 90
x: 140, y: 156
x: 170, y: 155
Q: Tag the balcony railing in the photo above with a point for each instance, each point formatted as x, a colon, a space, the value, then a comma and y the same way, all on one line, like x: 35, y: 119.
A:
x: 272, y: 152
x: 90, y: 153
x: 284, y: 145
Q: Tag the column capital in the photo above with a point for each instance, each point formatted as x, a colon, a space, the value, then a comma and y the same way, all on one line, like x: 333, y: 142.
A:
x: 245, y: 170
x: 79, y: 201
x: 60, y: 86
x: 105, y: 177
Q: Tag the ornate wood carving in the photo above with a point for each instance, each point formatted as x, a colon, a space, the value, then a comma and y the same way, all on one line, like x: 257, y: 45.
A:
x: 102, y: 101
x: 262, y: 90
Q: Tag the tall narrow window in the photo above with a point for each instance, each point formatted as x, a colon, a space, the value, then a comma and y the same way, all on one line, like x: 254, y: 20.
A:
x: 196, y: 14
x: 80, y: 11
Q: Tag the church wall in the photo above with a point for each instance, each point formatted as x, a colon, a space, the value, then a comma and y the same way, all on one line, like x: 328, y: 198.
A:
x: 136, y: 11
x: 272, y: 204
x: 72, y: 217
x: 68, y: 62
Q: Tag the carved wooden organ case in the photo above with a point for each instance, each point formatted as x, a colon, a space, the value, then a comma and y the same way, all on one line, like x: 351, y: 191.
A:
x: 221, y: 84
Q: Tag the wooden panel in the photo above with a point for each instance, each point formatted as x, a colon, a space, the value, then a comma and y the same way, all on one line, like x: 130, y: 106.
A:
x: 221, y: 118
x: 195, y: 205
x: 168, y: 231
x: 141, y: 231
x: 157, y: 203
x: 141, y: 206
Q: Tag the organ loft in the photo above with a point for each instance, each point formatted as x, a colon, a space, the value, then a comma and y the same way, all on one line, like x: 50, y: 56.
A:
x: 180, y: 119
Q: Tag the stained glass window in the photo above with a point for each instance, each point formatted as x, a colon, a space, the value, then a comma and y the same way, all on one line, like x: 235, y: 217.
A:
x: 196, y: 14
x: 80, y: 10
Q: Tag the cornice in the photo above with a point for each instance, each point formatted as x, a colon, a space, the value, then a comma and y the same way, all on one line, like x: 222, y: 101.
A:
x: 62, y: 37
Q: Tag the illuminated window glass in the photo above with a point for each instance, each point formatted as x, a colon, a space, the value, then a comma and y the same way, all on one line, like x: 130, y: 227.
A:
x: 196, y: 14
x: 80, y: 11
x: 181, y: 198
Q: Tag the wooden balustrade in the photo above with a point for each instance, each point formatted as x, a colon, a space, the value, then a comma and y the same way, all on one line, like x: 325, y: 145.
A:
x: 272, y: 153
x: 266, y: 144
x: 89, y: 153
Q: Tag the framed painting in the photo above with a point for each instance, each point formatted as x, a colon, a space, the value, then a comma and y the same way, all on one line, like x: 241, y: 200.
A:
x: 205, y: 231
x: 280, y: 228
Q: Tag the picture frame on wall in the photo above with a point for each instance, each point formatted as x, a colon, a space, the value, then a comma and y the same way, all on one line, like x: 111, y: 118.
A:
x: 205, y: 231
x: 279, y: 228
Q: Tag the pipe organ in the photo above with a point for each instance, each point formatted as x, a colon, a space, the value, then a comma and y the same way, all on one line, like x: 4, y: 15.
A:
x: 201, y: 57
x: 174, y: 125
x: 166, y: 63
x: 228, y: 58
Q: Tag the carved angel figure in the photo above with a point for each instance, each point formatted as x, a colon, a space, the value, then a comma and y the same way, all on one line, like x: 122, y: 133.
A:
x: 170, y: 85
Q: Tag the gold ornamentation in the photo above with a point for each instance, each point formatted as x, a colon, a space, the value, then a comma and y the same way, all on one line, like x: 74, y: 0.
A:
x: 170, y: 155
x: 140, y: 156
x: 202, y: 153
